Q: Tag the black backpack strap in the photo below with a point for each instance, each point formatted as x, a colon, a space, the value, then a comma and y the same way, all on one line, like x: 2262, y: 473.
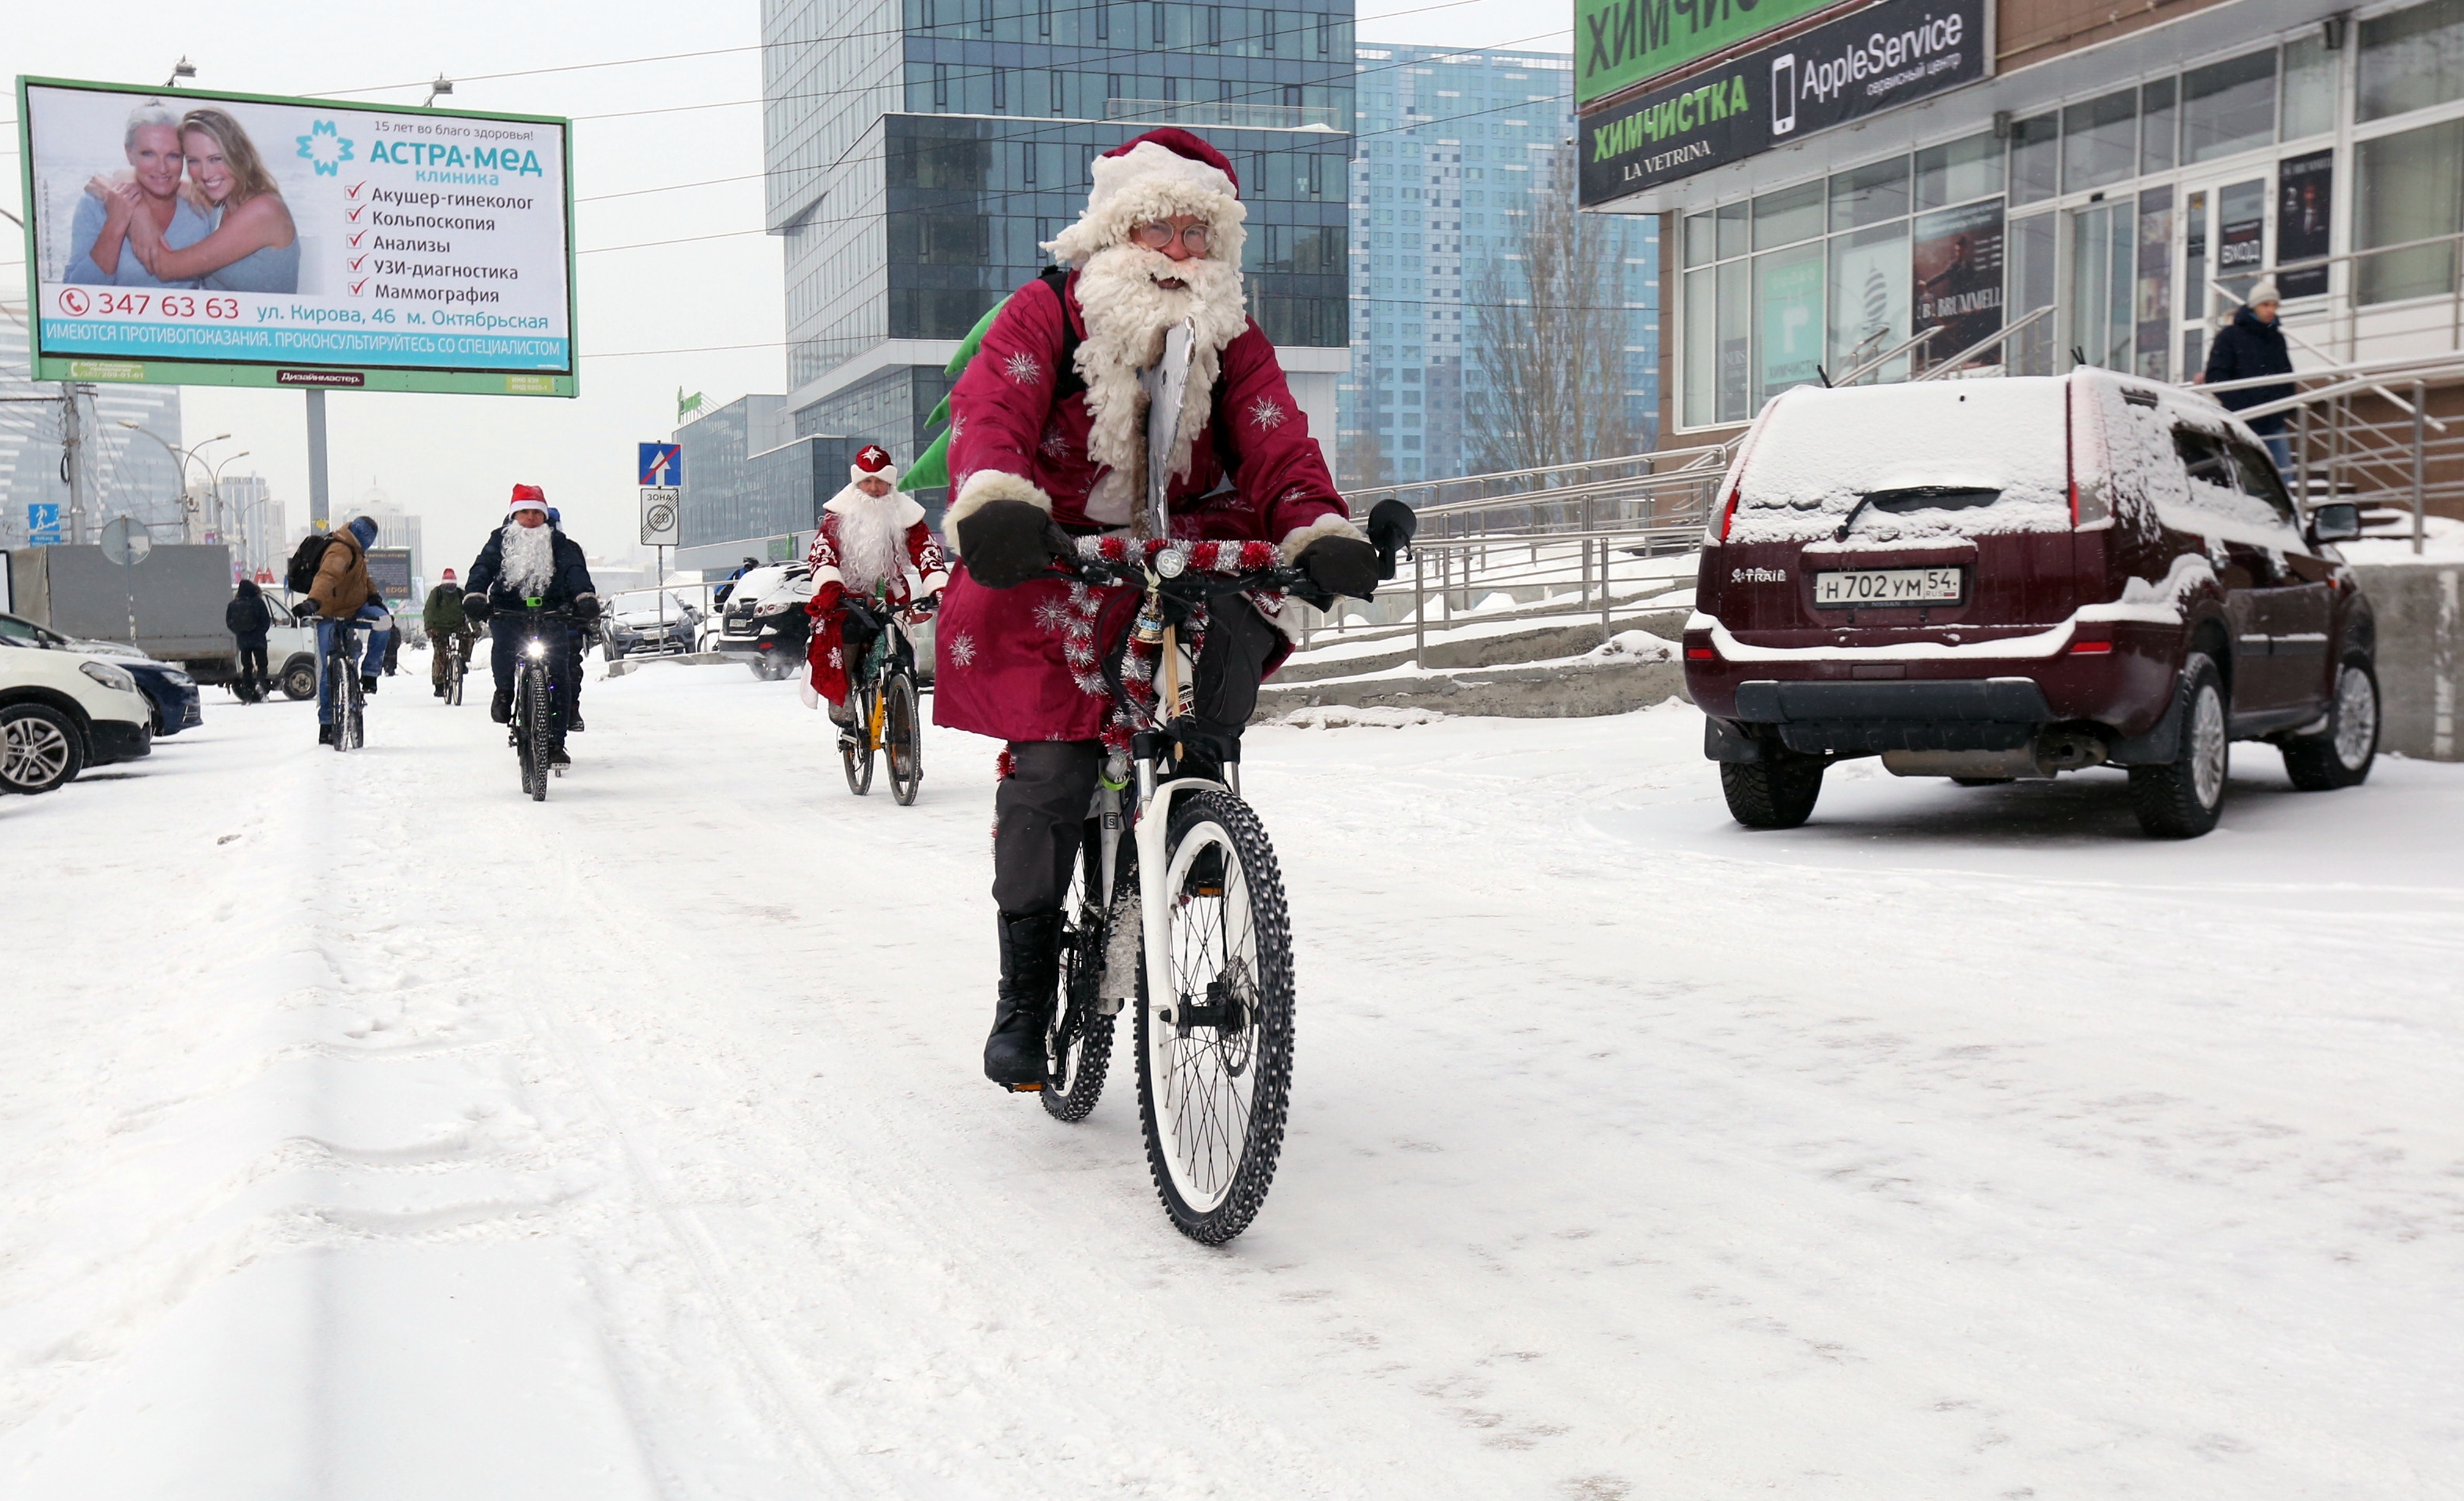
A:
x: 1067, y: 381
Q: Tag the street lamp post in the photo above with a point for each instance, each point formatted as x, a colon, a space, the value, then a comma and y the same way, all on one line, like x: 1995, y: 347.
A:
x: 179, y: 456
x: 216, y: 481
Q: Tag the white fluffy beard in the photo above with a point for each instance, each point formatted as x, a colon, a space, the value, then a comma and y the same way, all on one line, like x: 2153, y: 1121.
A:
x: 529, y: 558
x: 1128, y: 313
x: 871, y: 544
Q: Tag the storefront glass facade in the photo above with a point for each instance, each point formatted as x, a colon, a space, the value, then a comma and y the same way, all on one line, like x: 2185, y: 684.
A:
x: 2139, y: 214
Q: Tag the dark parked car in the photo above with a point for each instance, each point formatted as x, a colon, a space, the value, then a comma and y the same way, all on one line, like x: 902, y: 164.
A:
x: 1992, y: 580
x: 171, y: 692
x: 641, y: 624
x: 764, y: 622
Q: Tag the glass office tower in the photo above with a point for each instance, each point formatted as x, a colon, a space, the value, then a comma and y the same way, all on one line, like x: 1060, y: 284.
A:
x: 919, y: 150
x: 1451, y: 147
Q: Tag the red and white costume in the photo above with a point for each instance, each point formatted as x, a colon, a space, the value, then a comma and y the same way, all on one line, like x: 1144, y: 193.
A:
x: 872, y: 547
x: 1022, y: 664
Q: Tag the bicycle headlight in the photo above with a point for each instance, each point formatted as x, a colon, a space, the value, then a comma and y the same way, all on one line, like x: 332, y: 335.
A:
x: 109, y: 676
x: 1171, y: 562
x: 535, y: 649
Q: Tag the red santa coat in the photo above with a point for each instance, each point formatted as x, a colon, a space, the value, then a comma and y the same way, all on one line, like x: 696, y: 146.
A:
x: 1022, y: 664
x: 837, y: 559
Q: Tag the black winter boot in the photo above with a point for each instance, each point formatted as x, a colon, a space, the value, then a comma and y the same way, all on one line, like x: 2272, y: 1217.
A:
x: 1030, y: 966
x: 500, y: 708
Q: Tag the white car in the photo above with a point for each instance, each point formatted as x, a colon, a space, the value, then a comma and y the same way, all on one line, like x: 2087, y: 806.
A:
x: 61, y: 712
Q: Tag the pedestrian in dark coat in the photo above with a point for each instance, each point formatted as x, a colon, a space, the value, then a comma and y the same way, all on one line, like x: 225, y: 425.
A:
x: 248, y: 619
x: 2252, y: 344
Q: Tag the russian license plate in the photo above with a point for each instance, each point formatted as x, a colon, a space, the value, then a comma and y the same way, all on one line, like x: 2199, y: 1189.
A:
x: 1888, y: 587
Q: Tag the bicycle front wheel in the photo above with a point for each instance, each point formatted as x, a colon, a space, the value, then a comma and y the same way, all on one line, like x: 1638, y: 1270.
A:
x: 540, y: 731
x: 855, y: 745
x: 902, y: 739
x: 1214, y: 1040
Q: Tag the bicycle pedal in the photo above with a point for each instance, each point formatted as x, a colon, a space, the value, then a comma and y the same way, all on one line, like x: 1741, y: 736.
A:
x: 1024, y: 1088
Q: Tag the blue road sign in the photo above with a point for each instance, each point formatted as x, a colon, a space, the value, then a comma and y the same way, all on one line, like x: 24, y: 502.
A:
x: 43, y: 525
x: 662, y: 464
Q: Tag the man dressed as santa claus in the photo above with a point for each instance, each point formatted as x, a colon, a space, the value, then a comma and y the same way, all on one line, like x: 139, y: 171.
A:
x: 872, y: 553
x: 1047, y: 443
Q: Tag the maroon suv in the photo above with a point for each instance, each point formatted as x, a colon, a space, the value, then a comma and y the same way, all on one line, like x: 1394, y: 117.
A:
x: 1989, y: 579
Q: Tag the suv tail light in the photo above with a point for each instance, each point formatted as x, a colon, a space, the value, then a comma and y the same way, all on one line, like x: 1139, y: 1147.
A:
x: 1728, y: 512
x: 2091, y: 641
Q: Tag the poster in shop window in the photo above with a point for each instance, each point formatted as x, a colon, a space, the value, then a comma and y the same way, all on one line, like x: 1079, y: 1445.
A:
x: 1788, y: 297
x: 1957, y: 269
x: 2304, y: 189
x: 2154, y: 313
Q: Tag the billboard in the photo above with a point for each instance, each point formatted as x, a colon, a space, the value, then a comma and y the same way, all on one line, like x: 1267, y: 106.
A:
x: 199, y: 238
x: 389, y: 574
x: 1878, y: 58
x: 1620, y: 43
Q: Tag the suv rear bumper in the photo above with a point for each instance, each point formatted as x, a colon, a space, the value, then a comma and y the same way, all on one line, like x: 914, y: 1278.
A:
x: 1866, y: 718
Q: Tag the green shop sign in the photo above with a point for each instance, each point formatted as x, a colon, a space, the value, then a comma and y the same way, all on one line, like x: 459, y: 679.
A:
x: 1619, y: 43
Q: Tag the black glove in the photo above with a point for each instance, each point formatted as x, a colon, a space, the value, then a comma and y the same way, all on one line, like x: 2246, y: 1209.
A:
x: 585, y: 606
x: 304, y: 609
x: 1341, y: 566
x: 477, y: 610
x: 1007, y: 542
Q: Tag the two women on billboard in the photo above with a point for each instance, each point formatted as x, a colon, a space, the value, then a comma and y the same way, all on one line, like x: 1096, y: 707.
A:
x: 226, y: 230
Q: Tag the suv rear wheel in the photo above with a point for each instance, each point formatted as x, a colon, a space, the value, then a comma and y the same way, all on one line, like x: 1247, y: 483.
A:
x: 1775, y: 792
x: 2341, y: 755
x: 2181, y: 798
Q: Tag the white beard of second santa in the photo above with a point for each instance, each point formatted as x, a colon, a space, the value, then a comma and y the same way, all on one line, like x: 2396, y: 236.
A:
x: 528, y: 559
x: 1128, y: 314
x: 872, y: 547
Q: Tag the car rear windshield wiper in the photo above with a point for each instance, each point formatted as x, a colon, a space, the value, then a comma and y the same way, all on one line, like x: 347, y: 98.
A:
x: 1917, y: 497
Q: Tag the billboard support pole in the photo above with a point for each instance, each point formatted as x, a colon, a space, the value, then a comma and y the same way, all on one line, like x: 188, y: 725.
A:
x: 319, y: 513
x: 73, y: 456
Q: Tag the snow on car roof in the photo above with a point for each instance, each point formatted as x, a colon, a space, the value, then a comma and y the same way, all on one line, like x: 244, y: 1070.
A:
x: 1815, y: 453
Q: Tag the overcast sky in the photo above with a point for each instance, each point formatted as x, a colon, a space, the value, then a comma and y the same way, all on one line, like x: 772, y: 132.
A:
x: 453, y: 460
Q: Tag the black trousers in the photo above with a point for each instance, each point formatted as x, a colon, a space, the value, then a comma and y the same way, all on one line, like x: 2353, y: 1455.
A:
x: 1040, y: 813
x: 251, y: 660
x: 563, y: 660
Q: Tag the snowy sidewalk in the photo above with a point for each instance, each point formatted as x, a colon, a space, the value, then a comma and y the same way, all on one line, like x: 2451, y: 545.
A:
x: 375, y: 1133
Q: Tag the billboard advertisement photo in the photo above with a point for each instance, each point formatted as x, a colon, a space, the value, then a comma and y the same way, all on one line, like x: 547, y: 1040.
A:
x: 191, y: 237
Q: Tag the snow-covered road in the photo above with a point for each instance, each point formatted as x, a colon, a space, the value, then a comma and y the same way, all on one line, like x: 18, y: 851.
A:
x: 373, y: 1133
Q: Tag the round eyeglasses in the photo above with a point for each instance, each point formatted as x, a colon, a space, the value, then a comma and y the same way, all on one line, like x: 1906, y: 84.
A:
x: 1154, y: 235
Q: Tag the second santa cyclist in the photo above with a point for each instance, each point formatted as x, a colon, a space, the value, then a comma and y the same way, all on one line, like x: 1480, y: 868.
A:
x: 872, y: 554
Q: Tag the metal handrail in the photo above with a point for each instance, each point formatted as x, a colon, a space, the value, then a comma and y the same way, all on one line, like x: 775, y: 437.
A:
x: 1879, y: 361
x: 1945, y: 366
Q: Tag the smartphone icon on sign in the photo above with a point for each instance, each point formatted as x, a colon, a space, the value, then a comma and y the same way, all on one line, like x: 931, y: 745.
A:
x: 1784, y: 94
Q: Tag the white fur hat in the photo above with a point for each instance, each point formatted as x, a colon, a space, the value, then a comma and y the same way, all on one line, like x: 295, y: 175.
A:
x: 2264, y: 292
x: 872, y: 462
x: 1161, y: 173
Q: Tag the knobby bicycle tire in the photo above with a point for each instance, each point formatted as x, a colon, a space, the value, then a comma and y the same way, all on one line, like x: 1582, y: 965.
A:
x: 1215, y: 1038
x: 542, y: 733
x: 902, y: 738
x: 855, y: 745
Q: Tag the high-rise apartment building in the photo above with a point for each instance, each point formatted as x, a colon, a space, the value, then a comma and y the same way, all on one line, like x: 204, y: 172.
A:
x: 920, y: 151
x: 1453, y: 150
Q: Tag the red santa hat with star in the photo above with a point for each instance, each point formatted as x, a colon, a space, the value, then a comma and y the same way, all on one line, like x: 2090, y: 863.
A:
x: 872, y: 462
x: 1160, y: 174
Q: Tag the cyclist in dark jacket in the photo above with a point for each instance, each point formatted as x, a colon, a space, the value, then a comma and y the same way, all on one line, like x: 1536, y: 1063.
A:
x: 529, y: 564
x: 248, y: 619
x: 2252, y: 344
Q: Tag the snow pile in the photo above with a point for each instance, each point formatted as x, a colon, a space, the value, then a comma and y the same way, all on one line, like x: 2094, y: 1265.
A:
x: 1815, y: 451
x: 1633, y: 646
x: 1337, y: 716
